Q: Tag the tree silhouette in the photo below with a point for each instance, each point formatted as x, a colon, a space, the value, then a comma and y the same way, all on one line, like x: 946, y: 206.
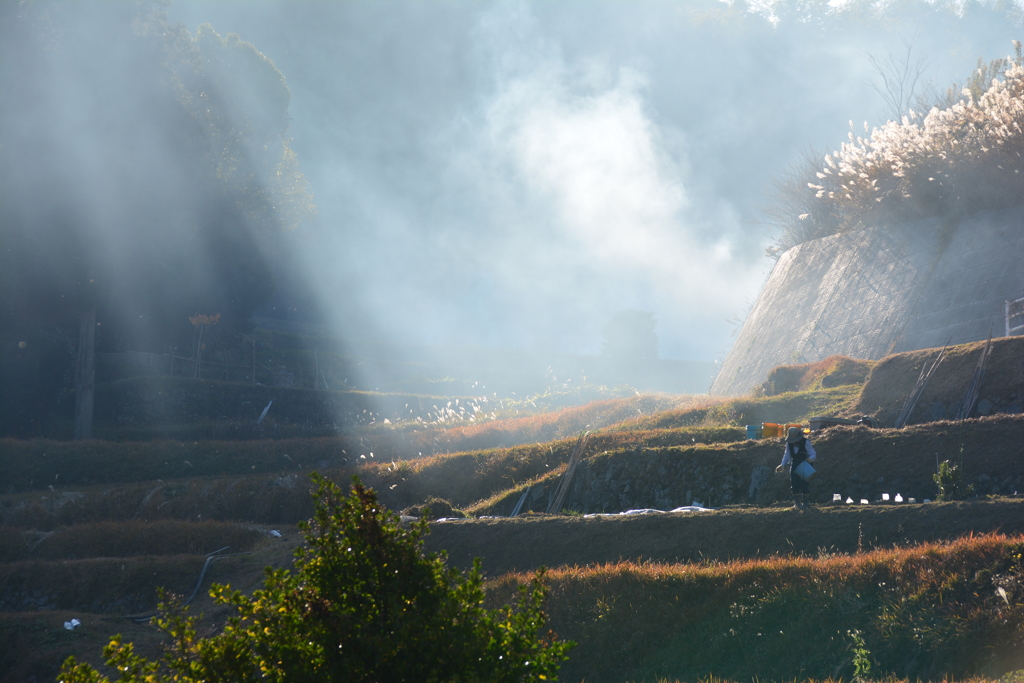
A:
x: 145, y: 175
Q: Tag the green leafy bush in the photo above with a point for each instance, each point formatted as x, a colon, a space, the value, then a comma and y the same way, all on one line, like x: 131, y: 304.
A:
x: 363, y: 604
x: 949, y: 479
x: 861, y: 656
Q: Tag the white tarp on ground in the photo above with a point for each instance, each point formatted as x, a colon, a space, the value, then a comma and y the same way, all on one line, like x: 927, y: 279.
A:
x: 648, y: 511
x: 642, y: 511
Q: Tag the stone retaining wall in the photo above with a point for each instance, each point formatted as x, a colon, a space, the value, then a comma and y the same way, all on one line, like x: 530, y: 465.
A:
x: 873, y: 292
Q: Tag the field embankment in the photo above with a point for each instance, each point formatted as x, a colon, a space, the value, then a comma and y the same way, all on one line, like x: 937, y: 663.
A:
x: 660, y: 469
x: 892, y: 379
x: 854, y: 462
x: 787, y: 407
x: 102, y: 573
x: 646, y: 597
x: 526, y: 543
x: 926, y: 612
x: 90, y: 530
x: 51, y: 483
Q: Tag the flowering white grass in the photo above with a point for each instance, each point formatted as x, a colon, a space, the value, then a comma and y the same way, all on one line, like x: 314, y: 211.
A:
x: 949, y: 162
x: 473, y: 410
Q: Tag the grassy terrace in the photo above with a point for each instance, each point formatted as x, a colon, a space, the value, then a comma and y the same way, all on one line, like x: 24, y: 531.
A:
x: 931, y: 612
x: 89, y: 530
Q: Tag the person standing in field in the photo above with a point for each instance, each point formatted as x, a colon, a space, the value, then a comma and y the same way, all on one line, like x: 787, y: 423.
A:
x: 798, y: 449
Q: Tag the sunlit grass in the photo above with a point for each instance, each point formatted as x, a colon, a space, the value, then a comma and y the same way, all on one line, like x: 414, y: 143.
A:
x: 931, y: 611
x: 456, y: 432
x: 788, y: 407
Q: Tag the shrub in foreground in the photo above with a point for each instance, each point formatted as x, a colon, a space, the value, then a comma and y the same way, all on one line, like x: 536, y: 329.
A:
x: 363, y: 604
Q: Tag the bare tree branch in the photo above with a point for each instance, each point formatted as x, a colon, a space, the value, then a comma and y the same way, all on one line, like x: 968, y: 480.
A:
x: 897, y: 78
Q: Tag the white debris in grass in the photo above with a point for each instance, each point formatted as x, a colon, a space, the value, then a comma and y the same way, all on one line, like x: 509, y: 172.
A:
x: 648, y: 511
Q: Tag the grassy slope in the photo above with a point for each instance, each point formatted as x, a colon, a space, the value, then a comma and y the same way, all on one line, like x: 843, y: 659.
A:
x: 893, y: 378
x: 267, y: 496
x: 789, y: 407
x: 35, y: 641
x: 927, y: 611
x: 38, y: 464
x: 627, y: 615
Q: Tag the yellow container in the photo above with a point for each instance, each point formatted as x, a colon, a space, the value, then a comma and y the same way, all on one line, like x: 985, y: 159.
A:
x: 770, y: 429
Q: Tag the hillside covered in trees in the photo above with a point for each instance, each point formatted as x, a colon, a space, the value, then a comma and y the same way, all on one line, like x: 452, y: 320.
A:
x: 148, y: 186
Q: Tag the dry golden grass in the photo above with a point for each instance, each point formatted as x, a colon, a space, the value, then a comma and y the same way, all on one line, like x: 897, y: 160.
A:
x: 41, y: 463
x: 541, y: 427
x: 920, y: 568
x: 961, y: 157
x: 283, y: 497
x: 470, y: 477
x: 931, y: 611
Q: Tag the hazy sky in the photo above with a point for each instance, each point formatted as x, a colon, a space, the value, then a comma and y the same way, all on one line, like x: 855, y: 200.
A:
x: 513, y: 173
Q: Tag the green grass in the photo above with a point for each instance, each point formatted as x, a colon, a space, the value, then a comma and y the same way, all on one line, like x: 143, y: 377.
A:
x: 41, y: 463
x: 795, y: 407
x: 265, y: 480
x: 262, y: 499
x: 125, y: 539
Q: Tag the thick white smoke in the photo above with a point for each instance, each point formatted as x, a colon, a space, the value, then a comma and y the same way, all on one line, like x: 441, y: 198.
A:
x: 599, y: 186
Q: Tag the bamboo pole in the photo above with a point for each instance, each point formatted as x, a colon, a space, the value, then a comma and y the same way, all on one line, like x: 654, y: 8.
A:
x: 922, y: 381
x: 975, y: 386
x: 574, y: 459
